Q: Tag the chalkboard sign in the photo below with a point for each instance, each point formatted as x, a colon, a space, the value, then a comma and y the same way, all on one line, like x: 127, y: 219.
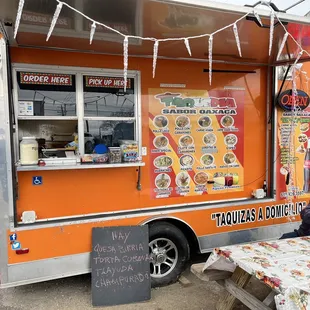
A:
x: 120, y: 265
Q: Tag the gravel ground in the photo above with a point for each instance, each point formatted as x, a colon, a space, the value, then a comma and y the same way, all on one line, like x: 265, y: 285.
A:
x: 75, y: 293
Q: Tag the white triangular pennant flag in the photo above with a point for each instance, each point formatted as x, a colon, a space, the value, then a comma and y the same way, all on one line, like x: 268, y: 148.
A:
x: 210, y: 57
x: 18, y: 16
x: 298, y: 58
x: 155, y: 53
x: 125, y: 51
x: 271, y: 33
x: 92, y: 32
x: 54, y: 20
x: 235, y: 28
x: 186, y: 42
x: 258, y: 17
x: 282, y: 45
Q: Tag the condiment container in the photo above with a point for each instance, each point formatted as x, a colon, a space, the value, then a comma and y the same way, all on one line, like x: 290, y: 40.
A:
x: 235, y: 180
x: 115, y: 155
x: 95, y: 159
x: 129, y: 150
x: 100, y: 158
x: 219, y: 181
x: 87, y: 159
x: 229, y: 181
x: 29, y: 154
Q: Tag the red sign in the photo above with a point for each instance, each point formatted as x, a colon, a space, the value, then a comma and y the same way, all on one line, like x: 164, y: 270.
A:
x: 288, y: 102
x: 106, y: 82
x: 46, y: 79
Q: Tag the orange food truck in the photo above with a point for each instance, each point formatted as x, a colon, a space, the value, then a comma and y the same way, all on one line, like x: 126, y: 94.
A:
x: 202, y: 165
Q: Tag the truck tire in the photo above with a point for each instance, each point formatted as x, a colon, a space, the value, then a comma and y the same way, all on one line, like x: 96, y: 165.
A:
x: 169, y: 250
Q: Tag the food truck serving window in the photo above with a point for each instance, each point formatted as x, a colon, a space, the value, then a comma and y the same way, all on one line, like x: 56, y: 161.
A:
x: 109, y: 111
x: 46, y: 110
x: 68, y: 119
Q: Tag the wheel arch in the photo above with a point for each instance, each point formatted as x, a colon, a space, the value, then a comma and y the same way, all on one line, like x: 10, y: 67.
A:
x: 187, y: 230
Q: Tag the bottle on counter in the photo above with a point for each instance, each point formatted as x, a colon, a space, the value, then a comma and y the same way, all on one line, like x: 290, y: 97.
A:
x: 265, y: 186
x: 29, y: 154
x: 307, y: 169
x: 129, y: 150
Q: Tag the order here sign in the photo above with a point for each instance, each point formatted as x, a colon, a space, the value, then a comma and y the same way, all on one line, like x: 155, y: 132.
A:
x: 106, y: 82
x: 46, y: 79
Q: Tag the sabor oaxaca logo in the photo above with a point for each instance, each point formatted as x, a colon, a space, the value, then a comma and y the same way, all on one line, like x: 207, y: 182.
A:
x: 286, y: 100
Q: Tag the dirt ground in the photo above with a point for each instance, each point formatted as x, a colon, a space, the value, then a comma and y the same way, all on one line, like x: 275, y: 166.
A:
x: 75, y: 293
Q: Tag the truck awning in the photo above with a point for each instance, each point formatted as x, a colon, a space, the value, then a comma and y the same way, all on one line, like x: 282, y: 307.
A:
x: 158, y: 19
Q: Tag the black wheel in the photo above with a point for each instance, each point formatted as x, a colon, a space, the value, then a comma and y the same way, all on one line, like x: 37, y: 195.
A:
x: 170, y: 253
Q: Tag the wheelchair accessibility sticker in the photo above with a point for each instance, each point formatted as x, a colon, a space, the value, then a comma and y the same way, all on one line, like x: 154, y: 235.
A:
x: 37, y: 180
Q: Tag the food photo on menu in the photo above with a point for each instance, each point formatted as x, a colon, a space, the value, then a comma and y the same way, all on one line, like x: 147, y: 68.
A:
x: 182, y: 121
x: 210, y: 139
x: 162, y: 181
x: 227, y: 121
x: 231, y: 140
x: 187, y: 160
x: 183, y: 179
x: 302, y: 139
x: 230, y: 158
x: 207, y: 160
x: 186, y: 141
x: 163, y: 162
x: 205, y: 121
x: 201, y: 178
x: 161, y: 142
x: 161, y: 121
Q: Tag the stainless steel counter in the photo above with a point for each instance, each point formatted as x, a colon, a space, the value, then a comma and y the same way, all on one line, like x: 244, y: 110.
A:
x: 21, y: 168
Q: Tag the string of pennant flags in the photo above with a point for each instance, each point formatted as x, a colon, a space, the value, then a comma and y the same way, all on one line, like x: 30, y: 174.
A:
x: 186, y: 40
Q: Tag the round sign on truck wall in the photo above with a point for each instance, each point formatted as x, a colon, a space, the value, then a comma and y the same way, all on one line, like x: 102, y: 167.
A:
x: 286, y: 100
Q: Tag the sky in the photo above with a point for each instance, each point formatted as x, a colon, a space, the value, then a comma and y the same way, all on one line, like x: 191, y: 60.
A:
x: 301, y: 9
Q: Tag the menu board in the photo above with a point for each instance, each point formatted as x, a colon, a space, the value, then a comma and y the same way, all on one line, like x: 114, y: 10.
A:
x: 196, y: 142
x: 120, y: 263
x: 293, y: 161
